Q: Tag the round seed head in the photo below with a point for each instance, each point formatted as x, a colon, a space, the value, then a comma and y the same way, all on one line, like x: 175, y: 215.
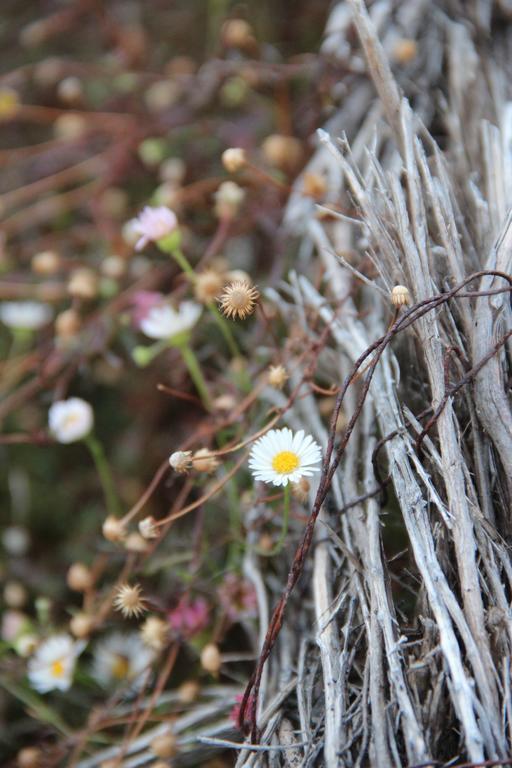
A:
x: 239, y: 300
x: 129, y: 601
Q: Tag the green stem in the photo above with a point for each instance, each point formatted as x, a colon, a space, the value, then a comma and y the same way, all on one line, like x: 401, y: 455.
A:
x: 184, y: 264
x: 195, y: 374
x: 225, y: 329
x: 100, y: 460
x: 284, y: 528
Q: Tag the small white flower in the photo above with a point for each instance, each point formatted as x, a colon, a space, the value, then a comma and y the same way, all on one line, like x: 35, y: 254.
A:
x: 152, y: 224
x: 26, y: 315
x: 122, y: 658
x: 281, y: 457
x: 53, y: 664
x: 163, y: 322
x: 70, y: 420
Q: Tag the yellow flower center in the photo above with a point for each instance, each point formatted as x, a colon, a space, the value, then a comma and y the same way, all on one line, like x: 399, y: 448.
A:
x: 58, y: 668
x: 70, y: 420
x: 285, y: 462
x: 120, y: 667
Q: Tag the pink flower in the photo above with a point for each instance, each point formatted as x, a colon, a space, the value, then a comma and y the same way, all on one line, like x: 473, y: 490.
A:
x: 143, y: 302
x: 152, y: 224
x: 237, y: 597
x: 189, y: 617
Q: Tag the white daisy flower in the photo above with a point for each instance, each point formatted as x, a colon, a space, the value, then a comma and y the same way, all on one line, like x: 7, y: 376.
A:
x: 70, y: 420
x: 122, y: 658
x: 164, y: 322
x: 25, y: 315
x: 281, y: 457
x: 53, y: 664
x: 152, y: 224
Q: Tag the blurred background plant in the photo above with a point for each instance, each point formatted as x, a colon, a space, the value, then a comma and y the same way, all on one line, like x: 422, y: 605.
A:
x: 106, y: 108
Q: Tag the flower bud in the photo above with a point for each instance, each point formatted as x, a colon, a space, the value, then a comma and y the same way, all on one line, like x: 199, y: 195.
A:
x: 208, y: 285
x: 83, y: 283
x: 203, y: 461
x: 29, y: 757
x: 113, y: 529
x: 70, y: 127
x: 45, y: 263
x: 155, y: 633
x: 300, y: 490
x: 180, y: 461
x: 67, y: 324
x: 164, y: 745
x: 26, y: 644
x: 189, y: 691
x: 234, y: 159
x: 173, y: 170
x: 147, y: 528
x: 404, y: 51
x: 81, y: 625
x: 70, y: 90
x: 283, y: 152
x: 400, y: 296
x: 162, y: 95
x: 210, y: 658
x: 79, y: 577
x: 15, y: 594
x: 9, y: 103
x: 134, y: 542
x: 314, y: 185
x: 113, y: 266
x: 228, y: 200
x: 237, y: 33
x: 277, y: 376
